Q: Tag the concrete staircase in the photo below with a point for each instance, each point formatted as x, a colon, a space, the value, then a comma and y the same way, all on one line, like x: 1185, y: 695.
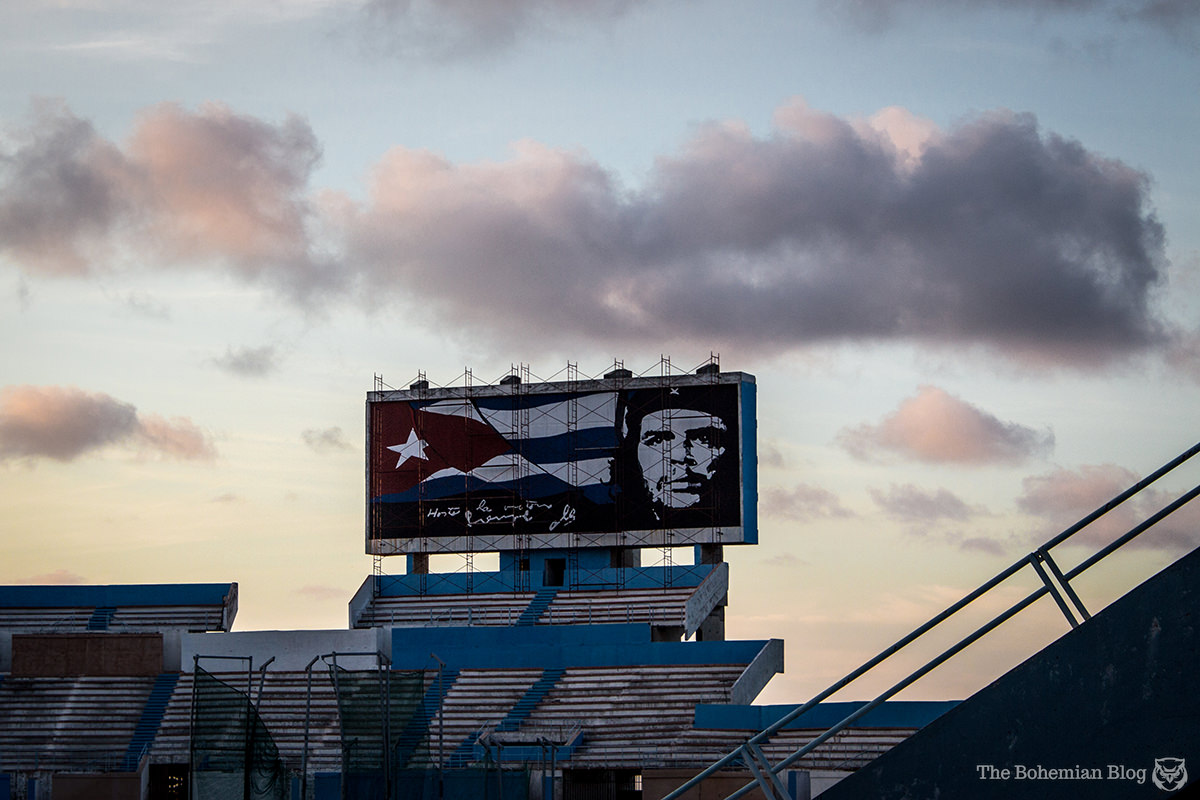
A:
x: 417, y: 730
x: 100, y: 619
x: 152, y: 715
x: 537, y: 606
x: 525, y: 706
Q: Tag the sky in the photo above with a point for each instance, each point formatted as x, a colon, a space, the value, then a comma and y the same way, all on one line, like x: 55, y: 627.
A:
x: 958, y: 246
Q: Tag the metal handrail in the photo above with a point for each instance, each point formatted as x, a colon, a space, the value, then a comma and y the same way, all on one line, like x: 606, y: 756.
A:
x: 750, y: 748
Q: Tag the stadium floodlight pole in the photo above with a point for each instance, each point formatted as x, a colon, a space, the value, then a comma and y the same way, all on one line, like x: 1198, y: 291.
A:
x: 441, y: 729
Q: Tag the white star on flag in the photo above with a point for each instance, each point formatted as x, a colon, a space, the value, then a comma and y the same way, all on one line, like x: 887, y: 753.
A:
x: 413, y: 448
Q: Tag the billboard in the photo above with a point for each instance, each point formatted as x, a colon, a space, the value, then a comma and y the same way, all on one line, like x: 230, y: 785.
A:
x: 620, y: 462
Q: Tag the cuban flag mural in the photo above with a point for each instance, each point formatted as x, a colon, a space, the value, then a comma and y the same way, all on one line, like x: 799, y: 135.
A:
x: 586, y: 463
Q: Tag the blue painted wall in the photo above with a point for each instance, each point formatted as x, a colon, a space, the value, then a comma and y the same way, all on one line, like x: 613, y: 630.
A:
x: 1113, y: 695
x: 749, y: 463
x: 505, y: 580
x: 546, y: 646
x: 896, y: 714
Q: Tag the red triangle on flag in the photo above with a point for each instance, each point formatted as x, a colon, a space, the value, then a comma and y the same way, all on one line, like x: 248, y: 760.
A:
x: 410, y: 444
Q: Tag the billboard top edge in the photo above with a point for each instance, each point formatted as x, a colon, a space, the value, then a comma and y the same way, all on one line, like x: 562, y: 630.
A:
x: 554, y: 387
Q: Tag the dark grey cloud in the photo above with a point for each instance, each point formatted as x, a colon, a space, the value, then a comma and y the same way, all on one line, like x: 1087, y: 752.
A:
x: 802, y: 502
x: 60, y: 192
x: 326, y: 440
x: 249, y: 362
x: 64, y: 423
x: 994, y: 233
x: 452, y: 29
x: 1180, y: 19
x: 912, y: 504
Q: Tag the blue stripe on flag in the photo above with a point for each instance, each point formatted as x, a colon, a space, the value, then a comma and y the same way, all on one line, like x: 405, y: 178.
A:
x: 580, y: 445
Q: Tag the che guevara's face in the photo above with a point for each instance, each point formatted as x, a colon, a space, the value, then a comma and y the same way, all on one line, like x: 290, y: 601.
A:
x: 678, y: 449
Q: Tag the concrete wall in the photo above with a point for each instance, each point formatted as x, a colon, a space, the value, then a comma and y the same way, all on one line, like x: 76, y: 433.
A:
x: 99, y: 786
x: 1102, y: 705
x: 766, y: 665
x: 657, y: 783
x: 292, y: 650
x: 71, y: 654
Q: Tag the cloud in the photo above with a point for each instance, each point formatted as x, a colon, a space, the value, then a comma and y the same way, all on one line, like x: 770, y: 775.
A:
x: 321, y: 592
x: 451, y: 29
x: 1184, y: 353
x: 992, y: 233
x: 188, y: 188
x: 326, y: 440
x: 177, y: 437
x: 58, y: 577
x: 1178, y: 18
x: 144, y: 306
x: 64, y: 423
x: 1063, y: 496
x: 937, y: 427
x: 982, y: 544
x: 938, y: 516
x: 826, y: 230
x: 249, y: 362
x: 910, y: 503
x: 60, y: 192
x: 769, y: 455
x: 802, y: 502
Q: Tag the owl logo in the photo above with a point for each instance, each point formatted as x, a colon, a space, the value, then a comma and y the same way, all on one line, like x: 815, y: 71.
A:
x: 1169, y: 773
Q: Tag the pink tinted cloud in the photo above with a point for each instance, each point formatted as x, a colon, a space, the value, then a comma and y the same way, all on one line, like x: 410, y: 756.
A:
x: 224, y: 184
x: 937, y: 427
x: 188, y: 187
x: 177, y: 437
x: 64, y: 423
x: 58, y: 577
